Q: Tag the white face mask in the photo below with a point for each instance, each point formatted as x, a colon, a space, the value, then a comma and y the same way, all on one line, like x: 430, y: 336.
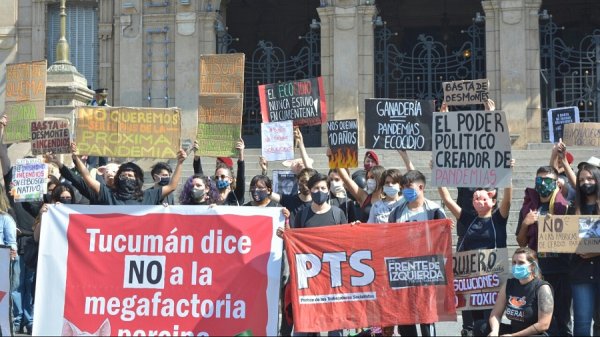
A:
x: 391, y: 191
x: 371, y: 185
x: 336, y: 187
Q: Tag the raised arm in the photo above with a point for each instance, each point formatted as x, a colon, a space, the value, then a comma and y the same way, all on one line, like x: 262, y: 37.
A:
x: 507, y: 196
x: 299, y: 140
x: 358, y: 193
x: 172, y: 186
x: 562, y: 149
x: 197, y: 164
x: 454, y: 208
x: 407, y: 163
x: 83, y: 171
x: 4, y: 159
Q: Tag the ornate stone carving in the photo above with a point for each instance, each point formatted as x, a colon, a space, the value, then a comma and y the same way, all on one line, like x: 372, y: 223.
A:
x: 186, y: 23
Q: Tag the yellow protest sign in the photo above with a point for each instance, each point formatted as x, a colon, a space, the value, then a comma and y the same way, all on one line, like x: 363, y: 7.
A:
x: 128, y: 132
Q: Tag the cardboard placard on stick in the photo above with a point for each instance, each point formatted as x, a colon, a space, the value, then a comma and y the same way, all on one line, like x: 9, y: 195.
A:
x: 50, y: 136
x: 343, y: 143
x: 277, y: 140
x: 582, y: 134
x: 25, y: 99
x: 478, y: 275
x: 569, y: 234
x: 29, y: 180
x: 559, y: 117
x: 128, y: 132
x: 302, y: 101
x: 471, y: 149
x: 221, y: 102
x: 466, y: 92
x: 398, y: 124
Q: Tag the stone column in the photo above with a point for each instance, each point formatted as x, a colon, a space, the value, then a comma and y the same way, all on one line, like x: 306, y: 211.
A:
x: 8, y: 41
x: 106, y: 46
x: 513, y: 63
x: 347, y: 59
x: 130, y: 55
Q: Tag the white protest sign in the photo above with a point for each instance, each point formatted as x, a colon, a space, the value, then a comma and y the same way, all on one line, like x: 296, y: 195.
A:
x: 466, y: 92
x: 471, y: 149
x: 278, y: 140
x: 29, y: 180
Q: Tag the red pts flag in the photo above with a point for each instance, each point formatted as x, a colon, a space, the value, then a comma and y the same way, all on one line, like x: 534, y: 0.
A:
x: 371, y: 275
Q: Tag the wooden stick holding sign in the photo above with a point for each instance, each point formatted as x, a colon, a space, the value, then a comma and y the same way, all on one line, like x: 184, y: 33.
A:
x: 471, y: 149
x: 569, y: 234
x: 466, y: 92
x: 582, y: 134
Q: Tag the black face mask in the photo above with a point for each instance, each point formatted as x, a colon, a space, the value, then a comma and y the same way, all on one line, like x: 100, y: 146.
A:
x: 66, y: 200
x: 588, y: 189
x: 127, y: 188
x: 319, y: 197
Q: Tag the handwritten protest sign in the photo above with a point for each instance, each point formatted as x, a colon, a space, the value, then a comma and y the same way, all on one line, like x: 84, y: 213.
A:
x: 5, y: 317
x: 478, y: 275
x: 29, y: 180
x: 343, y: 143
x: 221, y: 103
x: 128, y: 132
x: 569, y: 234
x: 284, y: 182
x: 278, y: 140
x: 50, y: 136
x: 471, y: 149
x: 162, y: 273
x: 582, y: 134
x: 398, y: 124
x: 25, y: 99
x: 302, y: 101
x: 466, y: 92
x: 557, y: 118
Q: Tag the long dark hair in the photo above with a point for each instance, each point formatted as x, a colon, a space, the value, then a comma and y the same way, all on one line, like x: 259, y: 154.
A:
x: 59, y: 189
x: 580, y: 198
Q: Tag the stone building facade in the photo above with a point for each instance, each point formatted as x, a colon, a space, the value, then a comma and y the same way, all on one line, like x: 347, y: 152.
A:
x: 148, y: 52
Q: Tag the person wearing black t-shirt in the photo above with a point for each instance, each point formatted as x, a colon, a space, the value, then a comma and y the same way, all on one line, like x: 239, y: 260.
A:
x: 526, y: 300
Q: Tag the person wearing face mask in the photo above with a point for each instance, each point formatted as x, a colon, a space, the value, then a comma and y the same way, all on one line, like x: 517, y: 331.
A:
x: 415, y: 207
x: 161, y: 174
x: 260, y: 189
x: 365, y: 197
x: 526, y: 300
x: 584, y: 269
x: 380, y: 211
x: 338, y: 196
x: 298, y: 201
x: 195, y: 191
x: 129, y: 183
x: 546, y: 198
x: 224, y: 189
x: 320, y: 213
x: 485, y: 230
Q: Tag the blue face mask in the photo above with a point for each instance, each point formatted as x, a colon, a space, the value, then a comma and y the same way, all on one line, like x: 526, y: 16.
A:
x: 222, y: 184
x: 410, y: 194
x: 520, y: 272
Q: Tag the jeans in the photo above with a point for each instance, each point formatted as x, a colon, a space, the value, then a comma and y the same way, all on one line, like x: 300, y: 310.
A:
x: 585, y: 296
x: 561, y: 317
x: 22, y: 294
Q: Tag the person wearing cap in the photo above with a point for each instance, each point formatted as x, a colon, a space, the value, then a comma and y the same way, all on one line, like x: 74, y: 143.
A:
x: 99, y: 100
x: 99, y: 97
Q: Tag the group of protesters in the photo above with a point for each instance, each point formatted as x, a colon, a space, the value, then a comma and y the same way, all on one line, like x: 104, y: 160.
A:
x: 552, y: 284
